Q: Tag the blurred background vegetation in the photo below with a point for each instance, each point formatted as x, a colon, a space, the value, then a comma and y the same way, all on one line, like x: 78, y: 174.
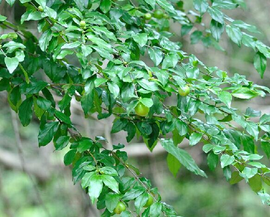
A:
x: 41, y: 186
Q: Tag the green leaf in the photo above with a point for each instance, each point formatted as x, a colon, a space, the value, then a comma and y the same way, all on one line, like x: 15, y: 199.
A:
x: 235, y: 34
x: 95, y: 187
x: 63, y: 54
x: 10, y: 2
x: 61, y: 142
x: 225, y: 97
x: 266, y: 148
x: 224, y: 4
x: 156, y: 55
x: 200, y: 5
x: 147, y: 102
x: 260, y: 63
x: 265, y: 119
x: 34, y: 87
x: 111, y: 201
x: 216, y: 14
x: 252, y: 129
x: 11, y: 63
x: 84, y: 145
x: 248, y: 173
x: 170, y: 61
x: 173, y: 164
x: 133, y: 193
x: 86, y: 180
x: 196, y: 36
x: 12, y: 46
x: 216, y: 29
x: 152, y: 3
x: 45, y: 39
x: 43, y: 103
x: 141, y: 39
x: 62, y: 117
x: 69, y: 157
x: 99, y: 42
x: 114, y: 89
x: 46, y: 133
x: 226, y: 160
x: 2, y: 18
x: 181, y: 127
x: 255, y: 183
x: 25, y: 111
x: 41, y: 3
x: 108, y: 171
x: 244, y: 93
x: 166, y: 5
x: 195, y: 138
x: 141, y: 201
x: 155, y: 209
x: 118, y: 124
x: 186, y: 29
x: 105, y: 6
x: 212, y: 160
x: 111, y: 183
x: 148, y: 85
x: 235, y: 178
x: 184, y: 158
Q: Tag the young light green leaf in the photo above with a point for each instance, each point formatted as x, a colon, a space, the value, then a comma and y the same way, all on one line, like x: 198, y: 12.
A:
x: 11, y: 63
x: 141, y: 39
x: 195, y: 138
x: 95, y: 187
x: 225, y: 97
x: 226, y: 160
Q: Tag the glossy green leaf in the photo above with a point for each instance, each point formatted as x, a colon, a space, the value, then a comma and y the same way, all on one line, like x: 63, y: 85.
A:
x: 61, y: 142
x: 156, y: 55
x: 195, y: 138
x: 105, y: 5
x: 46, y: 133
x: 212, y: 160
x: 110, y: 182
x: 45, y: 39
x: 25, y: 111
x: 184, y: 158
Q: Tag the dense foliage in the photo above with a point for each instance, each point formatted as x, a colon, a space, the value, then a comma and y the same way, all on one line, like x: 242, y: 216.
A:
x: 98, y: 53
